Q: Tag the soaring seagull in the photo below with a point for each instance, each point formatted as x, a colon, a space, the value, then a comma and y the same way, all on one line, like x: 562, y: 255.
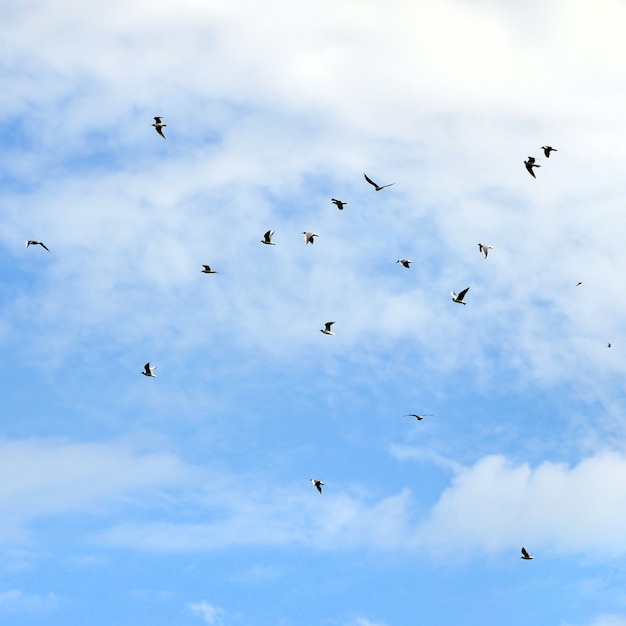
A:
x: 159, y: 126
x: 317, y: 484
x: 547, y: 150
x: 405, y: 263
x: 459, y: 297
x: 526, y: 555
x: 530, y: 164
x: 338, y: 203
x: 484, y: 249
x: 309, y: 237
x: 148, y: 370
x: 207, y: 270
x: 267, y: 238
x: 420, y: 417
x: 326, y: 330
x: 31, y: 242
x: 377, y: 187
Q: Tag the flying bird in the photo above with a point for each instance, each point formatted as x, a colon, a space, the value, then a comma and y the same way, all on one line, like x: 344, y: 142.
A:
x: 547, y: 150
x: 309, y: 237
x: 419, y: 418
x: 405, y: 263
x: 578, y: 284
x: 530, y: 164
x: 326, y: 330
x: 338, y: 203
x: 148, y: 370
x: 377, y: 187
x: 317, y: 484
x: 159, y: 126
x: 267, y: 238
x: 608, y: 345
x: 31, y: 242
x: 207, y: 270
x: 484, y: 249
x: 526, y: 555
x: 459, y: 297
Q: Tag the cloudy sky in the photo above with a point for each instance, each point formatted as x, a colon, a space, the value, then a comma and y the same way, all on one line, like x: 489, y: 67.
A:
x: 186, y: 499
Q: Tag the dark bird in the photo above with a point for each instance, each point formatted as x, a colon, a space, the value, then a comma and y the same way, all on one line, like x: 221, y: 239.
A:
x: 526, y: 555
x: 578, y: 284
x: 267, y: 238
x: 530, y: 164
x: 148, y: 370
x: 459, y: 297
x: 326, y: 330
x: 405, y: 263
x: 608, y: 345
x: 419, y: 418
x: 317, y: 483
x: 377, y: 187
x: 159, y: 126
x: 339, y: 203
x: 31, y: 242
x: 207, y: 270
x: 547, y: 150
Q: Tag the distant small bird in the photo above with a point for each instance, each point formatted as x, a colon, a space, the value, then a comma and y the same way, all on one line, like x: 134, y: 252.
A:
x: 326, y: 330
x: 526, y: 555
x: 547, y: 150
x: 159, y: 126
x: 31, y: 242
x: 317, y: 484
x: 459, y: 297
x: 420, y: 417
x: 377, y: 187
x: 309, y: 237
x: 608, y: 345
x: 578, y: 284
x: 148, y: 370
x: 405, y: 263
x: 207, y: 270
x: 267, y: 238
x: 339, y: 203
x: 484, y: 249
x: 530, y: 164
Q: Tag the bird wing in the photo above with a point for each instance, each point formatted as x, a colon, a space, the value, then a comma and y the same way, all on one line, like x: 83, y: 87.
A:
x: 370, y: 181
x: 328, y: 325
x: 160, y: 131
x: 146, y: 368
x: 383, y: 186
x: 462, y: 293
x: 157, y: 120
x: 525, y: 553
x: 44, y: 246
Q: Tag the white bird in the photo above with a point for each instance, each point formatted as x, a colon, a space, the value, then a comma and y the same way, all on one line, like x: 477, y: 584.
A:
x: 159, y: 126
x: 530, y: 164
x: 376, y: 186
x: 338, y: 203
x: 405, y: 263
x: 484, y: 249
x: 309, y: 237
x: 267, y: 238
x: 459, y: 297
x: 317, y: 484
x: 148, y: 370
x: 326, y: 330
x: 31, y: 242
x: 420, y: 417
x: 526, y: 555
x: 207, y: 270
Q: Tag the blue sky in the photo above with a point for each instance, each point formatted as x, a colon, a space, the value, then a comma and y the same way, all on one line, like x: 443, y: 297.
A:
x: 186, y: 499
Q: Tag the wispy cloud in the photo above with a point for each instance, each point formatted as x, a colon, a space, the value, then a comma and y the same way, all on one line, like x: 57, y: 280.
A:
x: 17, y: 601
x: 207, y: 612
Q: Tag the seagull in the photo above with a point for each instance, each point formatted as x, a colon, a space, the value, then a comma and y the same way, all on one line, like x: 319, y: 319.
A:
x: 405, y: 263
x: 484, y: 249
x: 31, y: 242
x: 530, y: 164
x: 308, y: 237
x: 378, y: 187
x: 268, y: 238
x: 317, y: 483
x: 148, y: 370
x: 339, y: 203
x: 207, y: 270
x: 525, y: 555
x: 326, y: 330
x: 419, y: 417
x: 547, y: 150
x: 159, y: 126
x: 459, y: 297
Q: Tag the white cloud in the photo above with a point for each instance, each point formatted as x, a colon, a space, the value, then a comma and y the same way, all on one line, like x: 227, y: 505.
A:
x: 207, y: 612
x: 16, y: 601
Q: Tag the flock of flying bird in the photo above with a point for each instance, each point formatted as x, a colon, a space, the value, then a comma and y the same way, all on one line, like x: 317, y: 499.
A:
x: 309, y: 238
